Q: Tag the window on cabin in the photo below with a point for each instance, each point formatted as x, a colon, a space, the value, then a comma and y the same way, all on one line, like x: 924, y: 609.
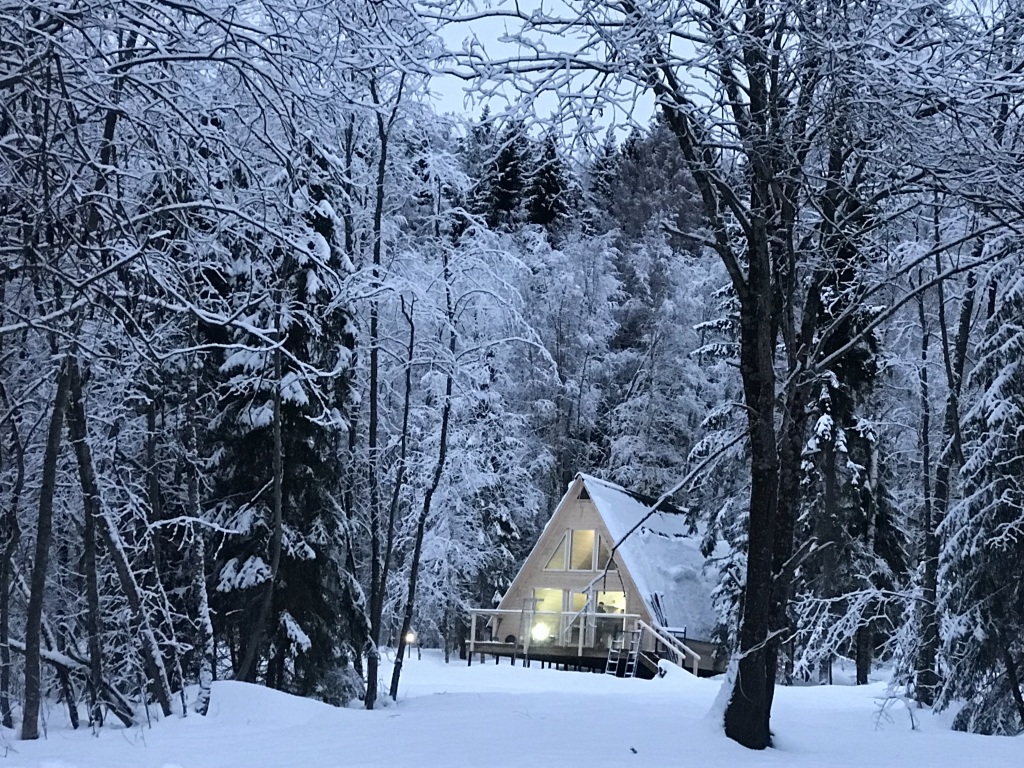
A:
x: 604, y: 554
x: 581, y: 552
x: 547, y: 600
x: 547, y: 616
x: 576, y: 552
x: 611, y: 601
x: 557, y: 561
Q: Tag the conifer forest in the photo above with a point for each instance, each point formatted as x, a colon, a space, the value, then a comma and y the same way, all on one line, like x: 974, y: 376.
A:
x: 295, y: 360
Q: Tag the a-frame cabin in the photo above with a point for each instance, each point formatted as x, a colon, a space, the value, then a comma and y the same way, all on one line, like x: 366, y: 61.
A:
x: 581, y: 601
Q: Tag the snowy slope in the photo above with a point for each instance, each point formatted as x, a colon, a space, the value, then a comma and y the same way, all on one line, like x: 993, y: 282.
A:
x: 501, y: 716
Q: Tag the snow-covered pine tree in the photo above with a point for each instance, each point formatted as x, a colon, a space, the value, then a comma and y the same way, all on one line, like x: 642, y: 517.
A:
x: 982, y: 571
x: 845, y: 510
x: 552, y: 192
x: 286, y: 606
x: 502, y: 194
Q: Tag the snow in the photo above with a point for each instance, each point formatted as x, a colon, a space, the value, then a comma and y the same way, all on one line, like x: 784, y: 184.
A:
x: 454, y: 716
x: 252, y: 572
x: 295, y: 632
x: 663, y: 556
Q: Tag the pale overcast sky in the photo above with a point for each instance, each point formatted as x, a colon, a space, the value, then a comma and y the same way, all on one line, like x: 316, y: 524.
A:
x: 459, y: 97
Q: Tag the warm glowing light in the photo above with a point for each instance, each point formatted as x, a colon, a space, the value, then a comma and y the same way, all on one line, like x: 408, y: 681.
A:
x: 539, y: 632
x: 410, y: 638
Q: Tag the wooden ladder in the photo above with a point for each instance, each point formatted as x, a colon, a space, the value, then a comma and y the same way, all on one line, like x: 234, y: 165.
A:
x: 633, y: 656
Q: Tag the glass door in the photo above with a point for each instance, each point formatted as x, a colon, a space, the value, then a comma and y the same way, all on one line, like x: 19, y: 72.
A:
x: 582, y: 621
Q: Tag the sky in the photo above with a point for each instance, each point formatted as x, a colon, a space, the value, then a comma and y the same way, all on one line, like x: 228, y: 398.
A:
x: 460, y: 97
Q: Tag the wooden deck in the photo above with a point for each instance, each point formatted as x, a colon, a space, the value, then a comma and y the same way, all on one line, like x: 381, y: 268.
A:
x: 580, y: 641
x: 554, y: 656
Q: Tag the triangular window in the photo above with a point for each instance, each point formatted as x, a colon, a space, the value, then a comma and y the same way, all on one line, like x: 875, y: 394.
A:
x: 604, y: 555
x: 584, y: 495
x: 581, y: 554
x: 557, y: 561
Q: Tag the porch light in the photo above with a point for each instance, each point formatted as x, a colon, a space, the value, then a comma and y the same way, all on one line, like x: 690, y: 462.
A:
x: 539, y: 632
x: 410, y: 637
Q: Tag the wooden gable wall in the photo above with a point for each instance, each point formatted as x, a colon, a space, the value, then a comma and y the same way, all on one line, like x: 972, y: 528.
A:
x: 572, y: 513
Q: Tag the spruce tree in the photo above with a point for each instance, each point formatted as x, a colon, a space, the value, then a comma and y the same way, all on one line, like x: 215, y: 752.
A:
x: 846, y: 510
x: 551, y: 195
x: 283, y: 596
x: 502, y: 195
x: 983, y: 558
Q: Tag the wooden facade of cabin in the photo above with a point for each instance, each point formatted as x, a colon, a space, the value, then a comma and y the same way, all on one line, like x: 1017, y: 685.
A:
x: 575, y: 602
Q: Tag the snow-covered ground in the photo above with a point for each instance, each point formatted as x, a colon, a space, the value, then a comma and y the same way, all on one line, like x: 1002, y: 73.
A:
x: 495, y: 716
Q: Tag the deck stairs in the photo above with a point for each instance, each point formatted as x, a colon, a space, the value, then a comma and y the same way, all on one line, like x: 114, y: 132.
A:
x: 629, y: 649
x: 625, y: 647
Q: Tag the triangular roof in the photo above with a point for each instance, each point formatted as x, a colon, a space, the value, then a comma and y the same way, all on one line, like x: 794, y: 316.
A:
x: 662, y: 556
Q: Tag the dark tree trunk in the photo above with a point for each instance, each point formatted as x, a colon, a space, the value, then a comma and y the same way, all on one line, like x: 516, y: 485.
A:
x: 11, y: 537
x: 44, y: 529
x: 865, y: 646
x: 748, y: 712
x: 91, y: 510
x: 204, y: 636
x: 378, y: 577
x: 442, y: 455
x: 1012, y: 674
x: 153, y: 474
x: 825, y: 533
x: 349, y: 496
x: 927, y: 675
x: 255, y: 643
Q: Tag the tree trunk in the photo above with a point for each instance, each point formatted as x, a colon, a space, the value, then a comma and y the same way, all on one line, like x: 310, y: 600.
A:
x: 927, y: 676
x: 421, y: 524
x: 151, y: 656
x: 1012, y: 674
x: 11, y: 537
x: 865, y: 642
x: 203, y: 640
x: 864, y: 639
x: 378, y: 577
x: 748, y: 712
x: 152, y: 473
x: 91, y: 510
x: 254, y: 647
x: 44, y: 528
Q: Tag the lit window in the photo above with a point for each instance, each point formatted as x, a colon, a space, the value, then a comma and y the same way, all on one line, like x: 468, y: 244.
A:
x: 547, y: 614
x: 547, y: 600
x: 611, y: 602
x: 581, y: 555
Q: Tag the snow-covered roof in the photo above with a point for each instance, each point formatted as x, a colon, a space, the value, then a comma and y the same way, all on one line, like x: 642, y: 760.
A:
x: 662, y: 556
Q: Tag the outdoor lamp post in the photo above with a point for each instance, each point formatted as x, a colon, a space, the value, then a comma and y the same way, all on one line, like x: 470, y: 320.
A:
x: 410, y: 641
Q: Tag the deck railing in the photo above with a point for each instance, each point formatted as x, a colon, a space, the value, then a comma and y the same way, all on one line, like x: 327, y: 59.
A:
x: 673, y: 645
x: 520, y: 631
